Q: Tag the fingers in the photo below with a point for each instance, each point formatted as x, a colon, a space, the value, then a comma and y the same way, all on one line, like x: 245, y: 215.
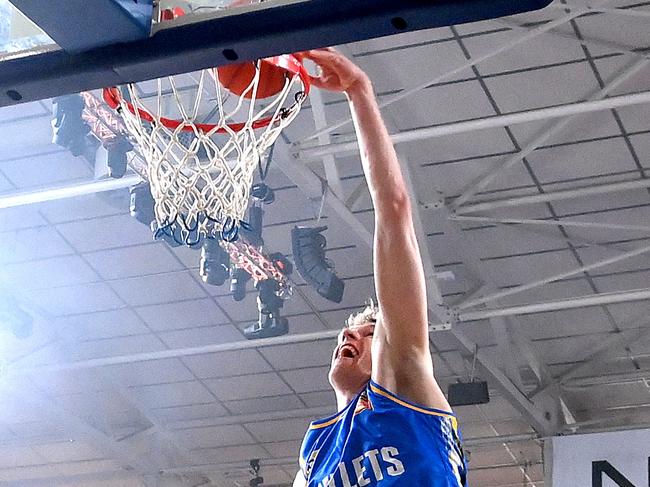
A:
x: 319, y: 54
x: 317, y: 82
x: 321, y: 81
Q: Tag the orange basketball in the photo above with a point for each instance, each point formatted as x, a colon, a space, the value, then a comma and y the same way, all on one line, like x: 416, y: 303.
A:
x: 236, y: 78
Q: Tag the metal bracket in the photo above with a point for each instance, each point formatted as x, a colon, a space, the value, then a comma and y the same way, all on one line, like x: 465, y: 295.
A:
x: 436, y: 203
x: 440, y: 327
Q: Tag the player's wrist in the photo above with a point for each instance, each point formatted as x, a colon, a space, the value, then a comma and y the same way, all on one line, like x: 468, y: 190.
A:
x: 361, y: 87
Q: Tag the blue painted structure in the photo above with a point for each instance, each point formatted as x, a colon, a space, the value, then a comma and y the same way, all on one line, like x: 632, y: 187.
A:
x: 225, y: 37
x: 81, y: 25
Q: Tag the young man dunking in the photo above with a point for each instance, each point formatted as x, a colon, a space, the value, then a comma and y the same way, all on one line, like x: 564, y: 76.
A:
x: 394, y: 426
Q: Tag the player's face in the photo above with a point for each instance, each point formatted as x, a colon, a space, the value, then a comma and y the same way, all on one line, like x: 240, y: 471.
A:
x: 352, y: 360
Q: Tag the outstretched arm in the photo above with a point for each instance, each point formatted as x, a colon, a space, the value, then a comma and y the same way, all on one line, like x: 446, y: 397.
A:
x: 401, y: 357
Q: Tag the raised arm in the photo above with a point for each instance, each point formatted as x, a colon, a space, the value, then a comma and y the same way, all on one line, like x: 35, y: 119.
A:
x: 401, y: 357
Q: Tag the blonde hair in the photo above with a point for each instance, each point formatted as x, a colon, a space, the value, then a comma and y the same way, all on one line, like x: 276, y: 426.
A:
x: 369, y: 313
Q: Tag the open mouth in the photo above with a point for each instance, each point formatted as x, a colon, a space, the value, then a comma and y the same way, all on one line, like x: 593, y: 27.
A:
x: 347, y: 351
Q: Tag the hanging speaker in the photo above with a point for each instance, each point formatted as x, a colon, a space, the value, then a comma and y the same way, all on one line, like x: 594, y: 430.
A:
x: 308, y: 246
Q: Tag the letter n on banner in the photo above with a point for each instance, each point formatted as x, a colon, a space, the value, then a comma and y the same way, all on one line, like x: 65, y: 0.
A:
x: 603, y: 467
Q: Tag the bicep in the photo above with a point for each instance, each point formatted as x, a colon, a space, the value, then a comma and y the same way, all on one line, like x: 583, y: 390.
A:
x: 399, y: 280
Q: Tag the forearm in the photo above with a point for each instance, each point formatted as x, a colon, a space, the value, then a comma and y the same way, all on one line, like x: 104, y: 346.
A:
x: 399, y: 278
x: 380, y: 163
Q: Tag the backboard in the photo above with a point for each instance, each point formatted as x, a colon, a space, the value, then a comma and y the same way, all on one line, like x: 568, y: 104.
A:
x: 67, y: 48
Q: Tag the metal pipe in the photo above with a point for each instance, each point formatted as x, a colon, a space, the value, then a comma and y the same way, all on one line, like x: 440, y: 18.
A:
x: 554, y: 196
x: 190, y: 351
x: 571, y: 303
x: 608, y: 380
x: 184, y: 352
x: 547, y: 280
x: 554, y: 223
x: 463, y: 66
x: 576, y: 302
x: 319, y: 151
x: 69, y: 191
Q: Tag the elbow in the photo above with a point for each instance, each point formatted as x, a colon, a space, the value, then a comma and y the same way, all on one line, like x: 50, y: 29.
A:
x: 397, y: 204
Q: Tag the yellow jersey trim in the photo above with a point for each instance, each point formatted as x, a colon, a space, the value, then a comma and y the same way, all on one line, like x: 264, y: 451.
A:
x: 335, y: 419
x: 393, y: 398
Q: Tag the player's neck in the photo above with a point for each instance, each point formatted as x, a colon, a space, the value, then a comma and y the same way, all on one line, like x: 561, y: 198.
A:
x: 345, y: 397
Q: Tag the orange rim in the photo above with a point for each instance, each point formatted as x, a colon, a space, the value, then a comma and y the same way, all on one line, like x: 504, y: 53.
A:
x: 287, y: 62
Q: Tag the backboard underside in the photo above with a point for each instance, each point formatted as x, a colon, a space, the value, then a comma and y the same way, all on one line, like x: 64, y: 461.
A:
x: 122, y: 42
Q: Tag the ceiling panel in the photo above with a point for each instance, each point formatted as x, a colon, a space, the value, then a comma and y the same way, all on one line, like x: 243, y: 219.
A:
x: 185, y: 413
x: 296, y: 355
x: 84, y: 298
x: 32, y: 244
x: 265, y: 404
x: 195, y: 337
x: 216, y: 436
x: 248, y: 386
x: 134, y: 261
x: 224, y: 364
x: 551, y: 86
x: 150, y: 372
x: 46, y: 169
x: 105, y: 233
x: 157, y: 289
x: 279, y: 430
x: 48, y: 273
x: 174, y: 394
x: 181, y: 314
x: 99, y: 325
x: 307, y: 379
x: 110, y: 203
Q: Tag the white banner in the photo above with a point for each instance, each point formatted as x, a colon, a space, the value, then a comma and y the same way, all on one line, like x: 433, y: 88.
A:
x: 620, y: 459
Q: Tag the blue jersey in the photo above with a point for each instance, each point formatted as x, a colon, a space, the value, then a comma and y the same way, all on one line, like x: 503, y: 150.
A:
x: 381, y: 439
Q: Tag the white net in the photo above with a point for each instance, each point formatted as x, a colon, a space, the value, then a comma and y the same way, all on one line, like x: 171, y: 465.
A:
x: 202, y: 144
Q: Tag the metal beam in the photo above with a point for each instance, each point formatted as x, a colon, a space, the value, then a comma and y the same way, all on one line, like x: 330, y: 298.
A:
x: 557, y: 277
x: 314, y: 191
x: 633, y: 330
x: 190, y: 351
x: 313, y: 186
x: 596, y: 99
x: 466, y: 316
x: 553, y: 223
x: 570, y: 303
x: 508, y: 351
x: 320, y: 121
x: 461, y: 67
x: 566, y: 194
x: 543, y: 420
x: 68, y: 191
x: 191, y: 43
x: 541, y: 413
x: 305, y: 152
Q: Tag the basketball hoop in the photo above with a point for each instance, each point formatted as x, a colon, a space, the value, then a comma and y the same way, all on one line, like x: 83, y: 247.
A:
x: 202, y: 136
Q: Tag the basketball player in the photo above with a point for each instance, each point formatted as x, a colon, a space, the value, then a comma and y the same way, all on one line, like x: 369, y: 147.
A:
x: 394, y: 426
